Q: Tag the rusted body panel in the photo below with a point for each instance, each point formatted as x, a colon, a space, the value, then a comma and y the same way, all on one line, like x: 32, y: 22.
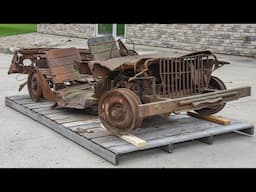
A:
x: 36, y: 58
x: 61, y: 63
x: 126, y: 86
x: 33, y: 61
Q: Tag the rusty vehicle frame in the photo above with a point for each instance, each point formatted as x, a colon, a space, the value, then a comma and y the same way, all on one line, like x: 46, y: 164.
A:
x: 27, y: 60
x: 125, y: 86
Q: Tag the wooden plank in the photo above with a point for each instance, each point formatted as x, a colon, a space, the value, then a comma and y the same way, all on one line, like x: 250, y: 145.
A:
x: 24, y: 101
x: 110, y: 144
x: 17, y: 97
x: 182, y: 137
x: 156, y: 124
x: 157, y: 132
x: 103, y: 48
x: 56, y: 116
x: 42, y: 100
x: 100, y: 41
x: 78, y: 123
x: 69, y: 66
x: 109, y: 138
x: 54, y: 112
x: 66, y: 77
x: 169, y: 131
x: 218, y: 120
x: 63, y: 71
x: 73, y: 119
x: 71, y: 116
x: 138, y: 142
x: 163, y: 129
x: 106, y: 55
x: 59, y: 116
x: 45, y: 71
x: 97, y: 133
x: 91, y: 146
x: 43, y: 109
x: 66, y: 60
x: 37, y: 105
x: 74, y: 87
x: 60, y: 111
x: 91, y: 128
x: 215, y: 119
x: 163, y: 133
x: 58, y: 53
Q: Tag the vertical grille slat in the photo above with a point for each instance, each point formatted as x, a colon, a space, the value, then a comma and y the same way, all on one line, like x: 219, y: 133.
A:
x: 180, y: 93
x: 199, y: 74
x: 181, y: 76
x: 191, y: 74
x: 168, y: 77
x: 195, y: 66
x: 176, y: 82
x: 202, y: 74
x: 187, y: 76
x: 172, y: 81
x: 164, y: 71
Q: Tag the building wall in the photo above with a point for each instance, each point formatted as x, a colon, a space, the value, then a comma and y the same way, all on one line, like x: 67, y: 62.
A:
x: 73, y: 30
x: 237, y: 39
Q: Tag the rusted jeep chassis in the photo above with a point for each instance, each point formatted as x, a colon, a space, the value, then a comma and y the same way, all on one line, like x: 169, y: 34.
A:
x: 162, y: 85
x: 26, y: 60
x: 128, y: 87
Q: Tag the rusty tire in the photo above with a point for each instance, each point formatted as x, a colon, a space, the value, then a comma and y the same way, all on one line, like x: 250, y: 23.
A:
x: 34, y: 88
x: 118, y: 111
x: 215, y: 83
x: 137, y: 101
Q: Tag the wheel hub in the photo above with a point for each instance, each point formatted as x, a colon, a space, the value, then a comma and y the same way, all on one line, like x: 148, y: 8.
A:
x: 118, y: 111
x: 215, y: 83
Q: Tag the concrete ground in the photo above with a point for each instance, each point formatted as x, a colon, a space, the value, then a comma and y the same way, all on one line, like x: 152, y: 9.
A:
x: 26, y: 143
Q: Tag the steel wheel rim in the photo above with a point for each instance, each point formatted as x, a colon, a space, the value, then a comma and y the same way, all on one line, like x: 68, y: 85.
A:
x: 136, y: 100
x: 219, y: 85
x: 34, y: 87
x: 117, y: 112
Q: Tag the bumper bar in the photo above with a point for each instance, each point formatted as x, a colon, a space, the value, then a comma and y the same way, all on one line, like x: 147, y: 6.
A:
x: 193, y: 102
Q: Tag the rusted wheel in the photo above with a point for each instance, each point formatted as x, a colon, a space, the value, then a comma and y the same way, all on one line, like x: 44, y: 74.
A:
x: 118, y: 111
x: 215, y: 83
x: 34, y: 88
x: 137, y: 101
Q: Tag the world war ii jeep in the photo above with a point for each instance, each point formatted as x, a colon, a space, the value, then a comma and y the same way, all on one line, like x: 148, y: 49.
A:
x: 128, y: 87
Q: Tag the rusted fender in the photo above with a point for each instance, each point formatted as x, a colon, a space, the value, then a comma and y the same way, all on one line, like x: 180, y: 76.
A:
x: 47, y: 92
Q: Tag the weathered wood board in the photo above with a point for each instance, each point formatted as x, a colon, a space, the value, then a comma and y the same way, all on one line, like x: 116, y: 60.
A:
x: 158, y: 132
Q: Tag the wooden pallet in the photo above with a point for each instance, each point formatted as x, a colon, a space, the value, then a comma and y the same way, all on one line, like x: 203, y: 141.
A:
x: 158, y: 132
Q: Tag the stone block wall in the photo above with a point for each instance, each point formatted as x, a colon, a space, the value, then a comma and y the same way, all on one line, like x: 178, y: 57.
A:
x: 72, y: 30
x: 235, y: 39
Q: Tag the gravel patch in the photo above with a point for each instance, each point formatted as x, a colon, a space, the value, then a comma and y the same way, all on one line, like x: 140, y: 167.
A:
x: 33, y: 40
x: 38, y: 40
